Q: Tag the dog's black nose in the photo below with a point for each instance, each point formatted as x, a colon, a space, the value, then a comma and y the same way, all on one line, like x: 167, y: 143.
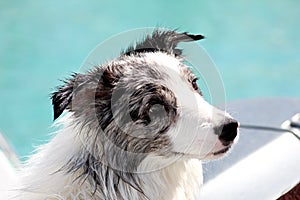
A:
x: 229, y: 132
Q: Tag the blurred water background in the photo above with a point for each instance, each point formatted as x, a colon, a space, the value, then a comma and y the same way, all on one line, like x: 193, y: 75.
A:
x: 255, y: 45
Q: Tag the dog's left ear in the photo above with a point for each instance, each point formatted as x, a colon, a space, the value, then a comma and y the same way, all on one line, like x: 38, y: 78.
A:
x: 63, y: 96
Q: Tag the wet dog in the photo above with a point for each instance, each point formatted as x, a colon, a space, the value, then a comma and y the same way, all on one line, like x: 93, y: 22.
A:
x: 135, y: 128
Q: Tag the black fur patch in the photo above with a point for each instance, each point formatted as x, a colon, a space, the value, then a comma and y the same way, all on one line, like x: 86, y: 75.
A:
x: 153, y: 100
x: 62, y: 98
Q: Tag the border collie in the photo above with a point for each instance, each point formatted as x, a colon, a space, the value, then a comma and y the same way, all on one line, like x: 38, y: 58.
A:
x: 136, y: 127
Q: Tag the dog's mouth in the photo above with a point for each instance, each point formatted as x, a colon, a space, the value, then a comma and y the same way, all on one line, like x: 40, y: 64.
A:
x: 222, y: 151
x: 210, y: 155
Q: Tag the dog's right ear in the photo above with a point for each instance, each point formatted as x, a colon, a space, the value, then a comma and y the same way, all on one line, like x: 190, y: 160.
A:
x: 161, y: 40
x: 63, y: 96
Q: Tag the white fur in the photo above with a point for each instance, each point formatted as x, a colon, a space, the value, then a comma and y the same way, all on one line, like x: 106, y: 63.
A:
x: 42, y: 177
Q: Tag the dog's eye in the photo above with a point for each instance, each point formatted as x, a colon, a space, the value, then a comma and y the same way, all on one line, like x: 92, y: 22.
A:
x: 194, y: 84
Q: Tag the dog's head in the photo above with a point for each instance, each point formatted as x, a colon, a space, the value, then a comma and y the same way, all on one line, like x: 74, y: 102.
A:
x: 147, y: 101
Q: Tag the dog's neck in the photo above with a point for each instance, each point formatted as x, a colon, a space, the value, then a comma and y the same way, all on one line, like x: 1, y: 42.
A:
x: 177, y: 179
x: 47, y: 175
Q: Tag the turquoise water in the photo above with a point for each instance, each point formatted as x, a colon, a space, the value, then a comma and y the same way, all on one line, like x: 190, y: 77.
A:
x: 255, y: 45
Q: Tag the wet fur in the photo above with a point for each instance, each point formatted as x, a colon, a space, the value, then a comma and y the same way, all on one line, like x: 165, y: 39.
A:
x: 82, y: 161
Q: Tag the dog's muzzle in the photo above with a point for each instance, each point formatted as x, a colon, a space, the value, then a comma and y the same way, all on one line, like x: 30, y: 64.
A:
x: 228, y: 131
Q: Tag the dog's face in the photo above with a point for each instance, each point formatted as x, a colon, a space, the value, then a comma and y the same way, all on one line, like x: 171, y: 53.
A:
x: 147, y: 102
x: 198, y: 130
